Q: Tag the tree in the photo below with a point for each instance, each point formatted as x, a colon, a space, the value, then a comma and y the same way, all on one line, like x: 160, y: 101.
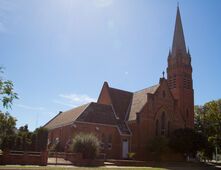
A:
x: 7, y: 95
x: 158, y: 146
x: 187, y: 141
x: 41, y: 139
x: 208, y: 121
x: 7, y: 126
x: 87, y: 144
x: 24, y: 137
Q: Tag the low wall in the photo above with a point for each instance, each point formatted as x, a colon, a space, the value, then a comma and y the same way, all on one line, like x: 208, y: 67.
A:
x: 24, y: 158
x: 173, y: 157
x: 77, y: 159
x: 166, y: 157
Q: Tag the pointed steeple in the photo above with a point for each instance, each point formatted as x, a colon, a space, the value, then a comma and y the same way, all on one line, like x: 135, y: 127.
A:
x: 179, y: 45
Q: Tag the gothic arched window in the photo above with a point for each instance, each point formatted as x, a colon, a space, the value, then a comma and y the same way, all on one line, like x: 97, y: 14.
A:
x: 168, y: 128
x: 163, y: 124
x: 157, y: 127
x: 187, y: 113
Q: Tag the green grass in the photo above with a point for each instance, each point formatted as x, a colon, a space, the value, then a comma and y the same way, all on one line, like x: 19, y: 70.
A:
x: 14, y: 167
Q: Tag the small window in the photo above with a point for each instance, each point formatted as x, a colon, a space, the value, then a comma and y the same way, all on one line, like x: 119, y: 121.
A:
x: 109, y: 146
x: 138, y: 117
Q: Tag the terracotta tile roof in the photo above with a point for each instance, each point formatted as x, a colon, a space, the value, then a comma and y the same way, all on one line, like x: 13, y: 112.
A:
x: 139, y: 100
x: 66, y: 117
x: 98, y: 113
x: 121, y: 101
x: 125, y: 104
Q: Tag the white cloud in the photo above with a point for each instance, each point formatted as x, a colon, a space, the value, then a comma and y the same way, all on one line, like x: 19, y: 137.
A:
x: 64, y: 103
x: 74, y: 100
x: 29, y: 107
x: 77, y: 98
x: 103, y: 3
x: 126, y: 72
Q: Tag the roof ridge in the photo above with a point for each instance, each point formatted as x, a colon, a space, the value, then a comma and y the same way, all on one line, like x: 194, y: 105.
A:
x: 83, y: 111
x: 62, y: 115
x: 121, y: 90
x: 100, y: 104
x: 77, y: 107
x: 147, y: 88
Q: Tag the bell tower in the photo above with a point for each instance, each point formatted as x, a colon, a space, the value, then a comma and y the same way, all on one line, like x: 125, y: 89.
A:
x: 179, y: 75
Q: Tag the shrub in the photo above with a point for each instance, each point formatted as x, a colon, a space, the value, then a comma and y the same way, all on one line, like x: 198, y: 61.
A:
x: 8, y: 142
x: 41, y: 138
x: 86, y: 144
x: 158, y: 146
x: 187, y: 141
x: 131, y: 155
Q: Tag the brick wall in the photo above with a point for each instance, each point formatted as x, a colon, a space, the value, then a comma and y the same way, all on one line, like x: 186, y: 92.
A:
x: 24, y: 158
x: 108, y: 135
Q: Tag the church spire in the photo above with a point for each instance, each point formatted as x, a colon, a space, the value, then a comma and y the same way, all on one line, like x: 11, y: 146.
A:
x: 178, y: 38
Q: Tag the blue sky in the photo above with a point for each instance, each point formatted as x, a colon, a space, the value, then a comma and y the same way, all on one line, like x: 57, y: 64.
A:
x: 59, y: 52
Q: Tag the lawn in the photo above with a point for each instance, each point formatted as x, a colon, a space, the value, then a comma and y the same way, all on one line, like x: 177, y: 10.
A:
x: 15, y: 167
x: 173, y: 166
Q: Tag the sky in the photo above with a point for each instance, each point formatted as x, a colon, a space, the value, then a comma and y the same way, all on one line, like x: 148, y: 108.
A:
x: 58, y: 53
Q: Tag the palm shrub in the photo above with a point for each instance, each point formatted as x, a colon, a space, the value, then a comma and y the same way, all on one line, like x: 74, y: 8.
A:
x: 86, y: 144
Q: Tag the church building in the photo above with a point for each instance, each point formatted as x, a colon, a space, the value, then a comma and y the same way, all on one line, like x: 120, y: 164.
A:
x: 125, y: 121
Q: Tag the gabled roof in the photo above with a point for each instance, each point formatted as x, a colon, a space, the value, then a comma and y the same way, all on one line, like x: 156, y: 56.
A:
x: 98, y: 113
x: 91, y: 113
x: 121, y: 101
x: 124, y: 106
x: 65, y: 118
x: 139, y: 100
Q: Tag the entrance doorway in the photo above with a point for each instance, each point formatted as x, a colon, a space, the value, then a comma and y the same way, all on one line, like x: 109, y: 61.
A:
x: 125, y: 149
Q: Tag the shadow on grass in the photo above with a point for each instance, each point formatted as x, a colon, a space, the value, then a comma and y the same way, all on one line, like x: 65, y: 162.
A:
x: 189, y: 166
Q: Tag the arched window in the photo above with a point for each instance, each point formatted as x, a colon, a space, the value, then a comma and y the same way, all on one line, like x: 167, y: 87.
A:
x: 102, y: 142
x: 163, y: 123
x: 138, y: 117
x: 187, y: 113
x: 157, y: 127
x: 109, y: 144
x: 168, y: 128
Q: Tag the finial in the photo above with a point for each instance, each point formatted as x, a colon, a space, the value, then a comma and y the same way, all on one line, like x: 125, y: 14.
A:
x: 188, y: 51
x: 163, y: 73
x: 177, y: 4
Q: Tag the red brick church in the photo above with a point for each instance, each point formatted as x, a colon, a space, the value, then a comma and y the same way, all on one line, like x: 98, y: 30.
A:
x: 124, y: 121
